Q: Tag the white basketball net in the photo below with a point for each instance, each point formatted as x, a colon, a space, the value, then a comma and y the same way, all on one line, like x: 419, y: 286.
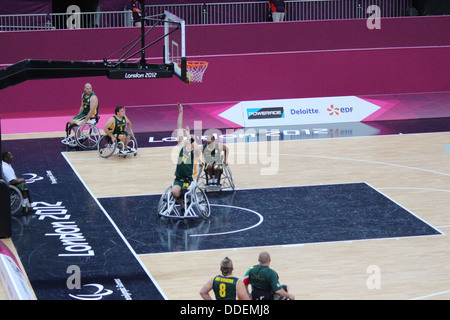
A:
x: 195, y: 70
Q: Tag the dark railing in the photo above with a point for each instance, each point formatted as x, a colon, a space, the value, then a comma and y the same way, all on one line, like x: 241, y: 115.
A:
x: 210, y: 13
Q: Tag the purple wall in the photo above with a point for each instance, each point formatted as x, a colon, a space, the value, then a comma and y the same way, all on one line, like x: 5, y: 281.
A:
x: 406, y: 55
x: 232, y: 38
x: 24, y: 6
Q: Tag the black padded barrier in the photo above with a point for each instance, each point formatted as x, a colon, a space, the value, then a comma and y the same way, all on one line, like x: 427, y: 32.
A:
x: 5, y: 211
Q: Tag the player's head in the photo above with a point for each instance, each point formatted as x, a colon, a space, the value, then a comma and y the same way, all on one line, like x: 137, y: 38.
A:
x: 210, y: 139
x: 118, y: 109
x: 192, y: 139
x: 226, y: 266
x: 88, y: 88
x: 264, y: 258
x: 7, y: 157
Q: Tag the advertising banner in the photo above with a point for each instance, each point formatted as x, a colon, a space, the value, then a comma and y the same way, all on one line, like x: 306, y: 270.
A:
x: 285, y: 112
x: 299, y: 111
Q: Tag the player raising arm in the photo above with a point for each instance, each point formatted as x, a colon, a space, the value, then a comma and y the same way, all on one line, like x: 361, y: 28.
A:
x: 189, y: 150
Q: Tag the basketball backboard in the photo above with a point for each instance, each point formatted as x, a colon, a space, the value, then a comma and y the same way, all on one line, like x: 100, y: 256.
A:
x: 115, y: 68
x: 175, y: 44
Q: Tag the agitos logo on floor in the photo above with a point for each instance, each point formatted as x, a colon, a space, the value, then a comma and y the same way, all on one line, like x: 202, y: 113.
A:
x: 265, y: 113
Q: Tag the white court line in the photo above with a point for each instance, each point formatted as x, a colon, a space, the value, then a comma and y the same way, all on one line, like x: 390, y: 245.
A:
x: 430, y: 295
x: 311, y: 156
x: 404, y: 208
x: 261, y: 219
x: 325, y: 157
x: 349, y: 159
x: 117, y: 229
x: 414, y: 188
x: 422, y: 189
x: 366, y: 161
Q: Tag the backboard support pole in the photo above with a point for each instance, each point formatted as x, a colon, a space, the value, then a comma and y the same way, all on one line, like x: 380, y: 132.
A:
x: 143, y: 21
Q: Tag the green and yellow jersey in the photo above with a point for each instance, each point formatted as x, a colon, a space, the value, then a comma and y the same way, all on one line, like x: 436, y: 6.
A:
x: 225, y: 288
x: 87, y: 105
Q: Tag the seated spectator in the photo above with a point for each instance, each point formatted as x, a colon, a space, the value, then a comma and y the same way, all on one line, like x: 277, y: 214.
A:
x: 10, y: 177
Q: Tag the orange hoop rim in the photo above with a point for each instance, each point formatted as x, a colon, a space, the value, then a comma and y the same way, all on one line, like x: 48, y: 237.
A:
x: 195, y: 70
x: 196, y: 63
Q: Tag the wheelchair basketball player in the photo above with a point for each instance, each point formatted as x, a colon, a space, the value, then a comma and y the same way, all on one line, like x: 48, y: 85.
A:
x: 115, y: 127
x: 264, y: 281
x: 212, y: 153
x: 88, y: 110
x: 189, y: 150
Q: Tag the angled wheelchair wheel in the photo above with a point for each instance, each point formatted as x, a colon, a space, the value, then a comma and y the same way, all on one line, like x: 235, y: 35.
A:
x: 106, y: 147
x: 202, y: 203
x: 228, y: 181
x: 165, y: 202
x: 88, y: 136
x: 16, y: 198
x: 133, y: 145
x: 201, y: 176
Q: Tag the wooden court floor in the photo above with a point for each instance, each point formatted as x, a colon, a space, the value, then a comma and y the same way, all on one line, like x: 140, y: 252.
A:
x: 413, y: 170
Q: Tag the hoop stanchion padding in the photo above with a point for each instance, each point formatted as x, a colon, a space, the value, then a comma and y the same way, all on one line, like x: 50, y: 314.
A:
x: 5, y: 211
x: 12, y: 276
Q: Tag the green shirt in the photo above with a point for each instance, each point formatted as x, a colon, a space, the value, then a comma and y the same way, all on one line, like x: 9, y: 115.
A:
x: 119, y: 125
x: 262, y: 278
x: 225, y: 288
x: 212, y: 156
x: 185, y: 165
x: 87, y: 105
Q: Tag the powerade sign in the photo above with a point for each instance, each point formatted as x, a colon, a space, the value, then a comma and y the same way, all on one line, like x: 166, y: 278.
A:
x: 265, y: 113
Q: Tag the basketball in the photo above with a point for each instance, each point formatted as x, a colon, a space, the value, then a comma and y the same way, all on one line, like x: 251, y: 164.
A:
x: 188, y: 78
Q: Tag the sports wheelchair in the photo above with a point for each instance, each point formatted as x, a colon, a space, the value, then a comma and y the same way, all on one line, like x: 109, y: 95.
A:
x: 86, y: 137
x: 16, y: 198
x: 106, y: 148
x: 196, y: 204
x: 226, y: 179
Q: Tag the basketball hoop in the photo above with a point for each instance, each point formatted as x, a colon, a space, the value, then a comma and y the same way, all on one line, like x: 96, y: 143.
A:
x: 195, y: 71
